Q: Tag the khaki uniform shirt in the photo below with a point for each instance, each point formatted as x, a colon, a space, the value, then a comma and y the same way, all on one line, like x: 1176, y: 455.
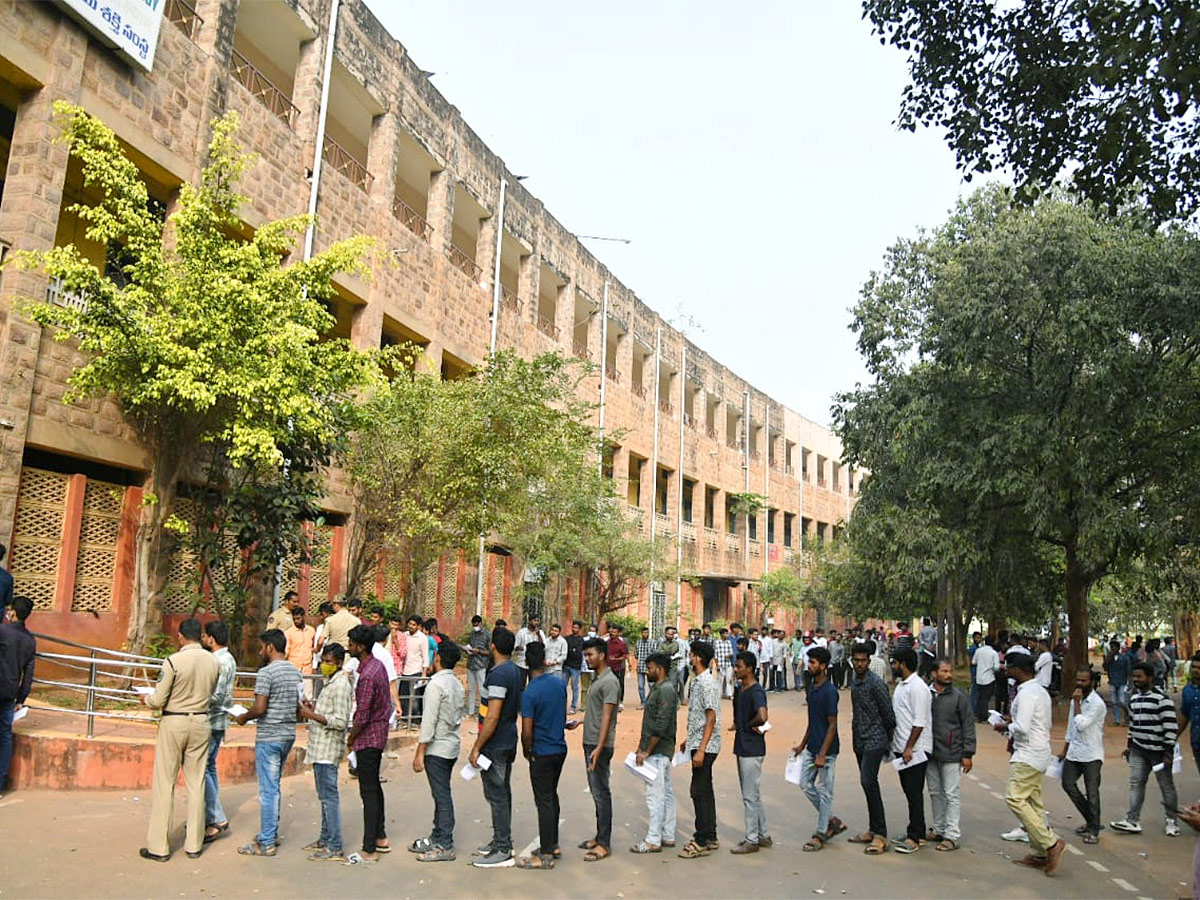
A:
x: 188, y: 680
x: 337, y: 627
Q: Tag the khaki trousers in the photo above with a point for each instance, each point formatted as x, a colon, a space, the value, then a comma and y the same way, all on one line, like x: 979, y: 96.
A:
x: 182, y: 743
x: 1024, y: 798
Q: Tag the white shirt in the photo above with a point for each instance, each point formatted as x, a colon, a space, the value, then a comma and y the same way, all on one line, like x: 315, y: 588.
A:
x: 525, y: 636
x: 766, y: 651
x: 987, y: 664
x: 556, y: 652
x: 913, y: 705
x: 1043, y: 669
x: 1030, y: 726
x: 385, y: 657
x: 1085, y: 729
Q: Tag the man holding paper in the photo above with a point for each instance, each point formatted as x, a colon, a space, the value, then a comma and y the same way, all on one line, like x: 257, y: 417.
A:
x: 655, y: 746
x: 599, y: 736
x: 953, y: 752
x: 497, y: 742
x: 543, y: 717
x: 703, y: 742
x: 1029, y: 728
x: 438, y: 745
x: 750, y: 748
x: 188, y: 679
x: 912, y: 741
x: 819, y: 748
x: 1083, y: 753
x: 216, y: 640
x: 1153, y: 729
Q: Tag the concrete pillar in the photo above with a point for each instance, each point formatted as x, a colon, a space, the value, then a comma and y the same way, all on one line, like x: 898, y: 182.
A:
x: 441, y: 209
x: 29, y: 210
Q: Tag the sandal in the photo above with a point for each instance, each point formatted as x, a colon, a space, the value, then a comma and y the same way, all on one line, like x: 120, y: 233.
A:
x: 420, y: 845
x: 537, y: 861
x: 383, y: 848
x: 589, y: 844
x: 877, y: 847
x: 932, y: 835
x: 1090, y: 838
x: 947, y: 844
x: 813, y: 844
x: 865, y: 838
x: 221, y: 831
x: 326, y: 855
x: 597, y: 853
x: 313, y: 847
x: 692, y: 850
x: 908, y: 846
x: 836, y: 827
x: 643, y: 847
x: 256, y: 849
x: 668, y: 844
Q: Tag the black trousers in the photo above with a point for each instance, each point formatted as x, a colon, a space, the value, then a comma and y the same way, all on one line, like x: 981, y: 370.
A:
x: 1089, y: 804
x: 912, y: 781
x: 544, y: 772
x: 371, y: 792
x: 868, y: 778
x: 704, y: 800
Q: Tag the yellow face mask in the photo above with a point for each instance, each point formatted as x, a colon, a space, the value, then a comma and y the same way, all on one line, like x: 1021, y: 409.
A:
x: 329, y: 669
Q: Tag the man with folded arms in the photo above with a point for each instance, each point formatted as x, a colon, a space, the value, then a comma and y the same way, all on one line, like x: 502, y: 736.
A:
x: 1083, y: 753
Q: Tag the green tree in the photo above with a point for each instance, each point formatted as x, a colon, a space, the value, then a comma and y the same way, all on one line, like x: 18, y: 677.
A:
x: 1035, y: 374
x: 780, y: 588
x: 1107, y: 90
x: 204, y: 338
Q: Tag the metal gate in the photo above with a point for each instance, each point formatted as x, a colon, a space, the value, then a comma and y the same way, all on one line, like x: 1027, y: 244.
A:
x: 658, y: 609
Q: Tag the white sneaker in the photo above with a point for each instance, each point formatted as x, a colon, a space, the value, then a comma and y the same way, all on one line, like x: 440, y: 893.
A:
x: 1172, y: 828
x: 1017, y: 834
x: 1126, y: 826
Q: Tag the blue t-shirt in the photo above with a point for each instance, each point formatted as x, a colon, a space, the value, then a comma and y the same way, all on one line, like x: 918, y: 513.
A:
x: 822, y: 703
x: 503, y: 683
x: 1191, y: 709
x: 746, y: 704
x: 545, y: 701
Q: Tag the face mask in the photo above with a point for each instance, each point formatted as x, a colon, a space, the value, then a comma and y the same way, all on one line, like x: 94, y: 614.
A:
x: 477, y: 628
x: 329, y: 669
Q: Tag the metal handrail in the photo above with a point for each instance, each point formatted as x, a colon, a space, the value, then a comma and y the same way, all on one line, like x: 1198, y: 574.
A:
x: 263, y: 89
x: 345, y: 162
x: 463, y: 261
x: 410, y: 218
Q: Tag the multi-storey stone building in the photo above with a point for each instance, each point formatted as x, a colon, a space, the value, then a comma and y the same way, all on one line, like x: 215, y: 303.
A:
x: 396, y: 161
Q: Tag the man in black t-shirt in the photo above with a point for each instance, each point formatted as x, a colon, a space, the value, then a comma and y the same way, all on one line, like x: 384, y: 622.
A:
x: 750, y: 748
x: 497, y: 741
x: 573, y: 664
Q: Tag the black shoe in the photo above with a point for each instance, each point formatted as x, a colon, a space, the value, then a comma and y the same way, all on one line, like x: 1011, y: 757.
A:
x: 146, y: 854
x: 195, y: 854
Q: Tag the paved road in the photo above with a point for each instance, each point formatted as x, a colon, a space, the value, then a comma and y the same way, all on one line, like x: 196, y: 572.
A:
x: 84, y: 844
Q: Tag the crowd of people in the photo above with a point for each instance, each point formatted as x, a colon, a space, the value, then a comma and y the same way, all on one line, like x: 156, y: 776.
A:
x: 347, y: 678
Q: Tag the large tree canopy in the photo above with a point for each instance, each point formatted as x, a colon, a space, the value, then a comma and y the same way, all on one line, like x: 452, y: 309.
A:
x: 1035, y: 380
x: 1105, y: 89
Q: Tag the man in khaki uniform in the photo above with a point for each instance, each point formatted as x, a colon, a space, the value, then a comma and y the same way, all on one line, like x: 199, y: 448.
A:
x: 188, y: 680
x: 337, y: 626
x: 281, y: 617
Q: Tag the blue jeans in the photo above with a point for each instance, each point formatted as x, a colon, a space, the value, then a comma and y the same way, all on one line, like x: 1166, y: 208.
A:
x: 497, y: 790
x: 214, y: 813
x: 641, y: 677
x: 817, y: 785
x: 1120, y: 701
x: 572, y: 676
x: 269, y: 758
x: 325, y: 775
x: 6, y: 714
x: 438, y: 770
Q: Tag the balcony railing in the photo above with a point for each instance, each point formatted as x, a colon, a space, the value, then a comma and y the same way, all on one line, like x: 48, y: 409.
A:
x: 546, y: 326
x: 411, y: 219
x: 662, y: 525
x: 637, y: 514
x: 687, y: 531
x: 754, y: 454
x: 342, y: 161
x: 711, y: 432
x: 789, y: 555
x: 59, y: 296
x: 732, y: 444
x: 639, y: 389
x: 821, y: 482
x: 270, y: 96
x: 666, y: 407
x: 183, y: 14
x: 613, y: 374
x: 510, y: 299
x: 755, y: 548
x: 788, y: 469
x: 733, y: 544
x: 712, y: 538
x: 688, y: 420
x: 579, y: 347
x: 463, y: 261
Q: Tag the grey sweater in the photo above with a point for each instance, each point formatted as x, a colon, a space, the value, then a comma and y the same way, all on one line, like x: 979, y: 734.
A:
x: 953, y: 726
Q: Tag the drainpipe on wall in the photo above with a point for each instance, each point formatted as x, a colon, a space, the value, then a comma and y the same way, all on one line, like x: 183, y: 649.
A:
x: 767, y: 488
x: 603, y: 364
x: 679, y: 487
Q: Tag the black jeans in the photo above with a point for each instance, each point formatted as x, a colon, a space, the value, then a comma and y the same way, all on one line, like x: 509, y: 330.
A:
x: 1089, y: 805
x: 544, y: 772
x: 601, y: 793
x: 983, y: 700
x: 704, y: 800
x: 497, y: 790
x: 371, y: 792
x: 1001, y: 692
x: 912, y: 781
x: 438, y: 771
x: 868, y: 777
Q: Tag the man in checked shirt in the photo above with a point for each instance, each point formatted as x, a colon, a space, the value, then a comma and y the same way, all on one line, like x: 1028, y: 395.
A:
x: 723, y: 661
x: 368, y: 737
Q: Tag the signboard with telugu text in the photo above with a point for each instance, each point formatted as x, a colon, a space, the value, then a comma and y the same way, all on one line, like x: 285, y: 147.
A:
x: 128, y: 26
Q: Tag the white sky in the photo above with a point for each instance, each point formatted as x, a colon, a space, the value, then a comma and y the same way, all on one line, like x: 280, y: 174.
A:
x: 749, y: 154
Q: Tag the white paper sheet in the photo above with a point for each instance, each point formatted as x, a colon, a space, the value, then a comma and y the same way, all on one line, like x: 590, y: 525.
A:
x: 236, y: 710
x: 1054, y: 770
x: 918, y: 757
x: 352, y: 759
x: 484, y: 763
x: 764, y: 727
x: 469, y: 772
x: 645, y: 772
x: 143, y: 689
x: 20, y: 714
x: 995, y: 717
x: 791, y: 772
x: 682, y: 758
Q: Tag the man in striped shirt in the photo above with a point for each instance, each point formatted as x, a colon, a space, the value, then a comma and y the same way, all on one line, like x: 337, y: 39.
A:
x: 1152, y: 732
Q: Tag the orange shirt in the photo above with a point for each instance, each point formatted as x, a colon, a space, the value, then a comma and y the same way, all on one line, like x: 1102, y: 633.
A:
x: 300, y: 647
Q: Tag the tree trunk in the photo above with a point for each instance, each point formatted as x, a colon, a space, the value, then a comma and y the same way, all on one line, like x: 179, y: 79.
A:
x: 1078, y: 585
x: 1185, y: 633
x: 150, y: 563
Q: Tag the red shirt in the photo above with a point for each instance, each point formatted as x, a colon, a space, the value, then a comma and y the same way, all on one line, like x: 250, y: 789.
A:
x: 374, y: 706
x: 616, y: 652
